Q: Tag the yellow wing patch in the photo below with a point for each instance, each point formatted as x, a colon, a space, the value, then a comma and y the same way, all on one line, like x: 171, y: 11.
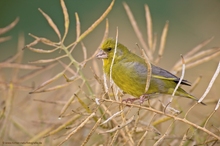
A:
x: 164, y: 78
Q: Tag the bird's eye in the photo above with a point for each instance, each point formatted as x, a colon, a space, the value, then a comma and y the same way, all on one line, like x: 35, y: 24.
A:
x: 108, y: 49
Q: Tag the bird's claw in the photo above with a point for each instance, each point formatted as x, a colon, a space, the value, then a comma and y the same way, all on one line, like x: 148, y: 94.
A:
x: 131, y: 100
x: 142, y: 98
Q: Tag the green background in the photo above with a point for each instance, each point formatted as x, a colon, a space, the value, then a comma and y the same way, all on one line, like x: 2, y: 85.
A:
x: 191, y: 22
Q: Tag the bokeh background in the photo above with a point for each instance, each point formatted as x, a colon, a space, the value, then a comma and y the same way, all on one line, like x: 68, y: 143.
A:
x: 190, y: 23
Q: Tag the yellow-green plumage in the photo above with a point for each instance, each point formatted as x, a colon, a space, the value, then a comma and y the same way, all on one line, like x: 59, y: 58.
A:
x: 129, y: 72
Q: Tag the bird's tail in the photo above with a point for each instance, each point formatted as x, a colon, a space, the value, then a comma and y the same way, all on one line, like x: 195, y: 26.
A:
x: 183, y: 93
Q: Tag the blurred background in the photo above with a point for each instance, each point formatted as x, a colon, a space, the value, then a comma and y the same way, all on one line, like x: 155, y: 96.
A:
x: 190, y: 23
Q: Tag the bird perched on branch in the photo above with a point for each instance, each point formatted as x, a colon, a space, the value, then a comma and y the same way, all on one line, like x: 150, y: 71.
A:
x: 129, y: 73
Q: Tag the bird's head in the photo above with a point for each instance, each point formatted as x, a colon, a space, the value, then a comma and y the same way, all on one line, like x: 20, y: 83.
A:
x: 108, y: 49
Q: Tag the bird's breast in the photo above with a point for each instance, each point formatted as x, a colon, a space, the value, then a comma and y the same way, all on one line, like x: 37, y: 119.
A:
x: 130, y: 77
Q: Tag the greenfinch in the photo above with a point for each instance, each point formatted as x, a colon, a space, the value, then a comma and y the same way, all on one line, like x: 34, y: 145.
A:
x: 129, y: 72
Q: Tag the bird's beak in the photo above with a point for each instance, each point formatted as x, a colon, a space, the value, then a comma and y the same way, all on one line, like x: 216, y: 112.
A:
x: 101, y: 54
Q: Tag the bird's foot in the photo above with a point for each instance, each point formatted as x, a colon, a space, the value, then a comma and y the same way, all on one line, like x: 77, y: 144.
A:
x: 142, y: 98
x: 131, y: 100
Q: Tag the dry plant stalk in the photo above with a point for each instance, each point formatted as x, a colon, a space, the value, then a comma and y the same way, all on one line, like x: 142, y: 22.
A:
x: 137, y: 30
x: 192, y: 59
x: 209, y: 117
x: 169, y: 115
x: 149, y: 70
x: 120, y: 126
x: 211, y: 83
x: 84, y: 108
x: 6, y: 29
x: 180, y: 80
x: 60, y: 45
x: 149, y: 27
x: 162, y: 42
x: 76, y: 129
x: 113, y: 59
x: 51, y: 23
x: 195, y: 83
x: 146, y: 132
x: 66, y: 19
x: 161, y: 139
x: 91, y: 132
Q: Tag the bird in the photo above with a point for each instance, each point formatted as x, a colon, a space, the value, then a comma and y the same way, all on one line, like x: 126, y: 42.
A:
x: 129, y: 73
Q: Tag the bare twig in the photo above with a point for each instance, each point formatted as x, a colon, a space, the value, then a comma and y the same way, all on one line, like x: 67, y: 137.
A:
x: 181, y: 78
x: 149, y: 27
x: 9, y: 27
x: 211, y: 83
x: 209, y: 117
x: 113, y: 59
x: 145, y: 134
x: 162, y: 42
x: 168, y: 115
x: 91, y: 132
x: 78, y: 30
x: 137, y: 31
x: 77, y: 128
x: 66, y: 19
x: 51, y: 23
x: 120, y: 126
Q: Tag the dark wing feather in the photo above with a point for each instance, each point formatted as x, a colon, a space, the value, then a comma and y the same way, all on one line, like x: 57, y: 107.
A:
x: 158, y: 72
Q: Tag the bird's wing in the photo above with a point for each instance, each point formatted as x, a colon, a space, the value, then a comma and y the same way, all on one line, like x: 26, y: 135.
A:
x: 160, y: 73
